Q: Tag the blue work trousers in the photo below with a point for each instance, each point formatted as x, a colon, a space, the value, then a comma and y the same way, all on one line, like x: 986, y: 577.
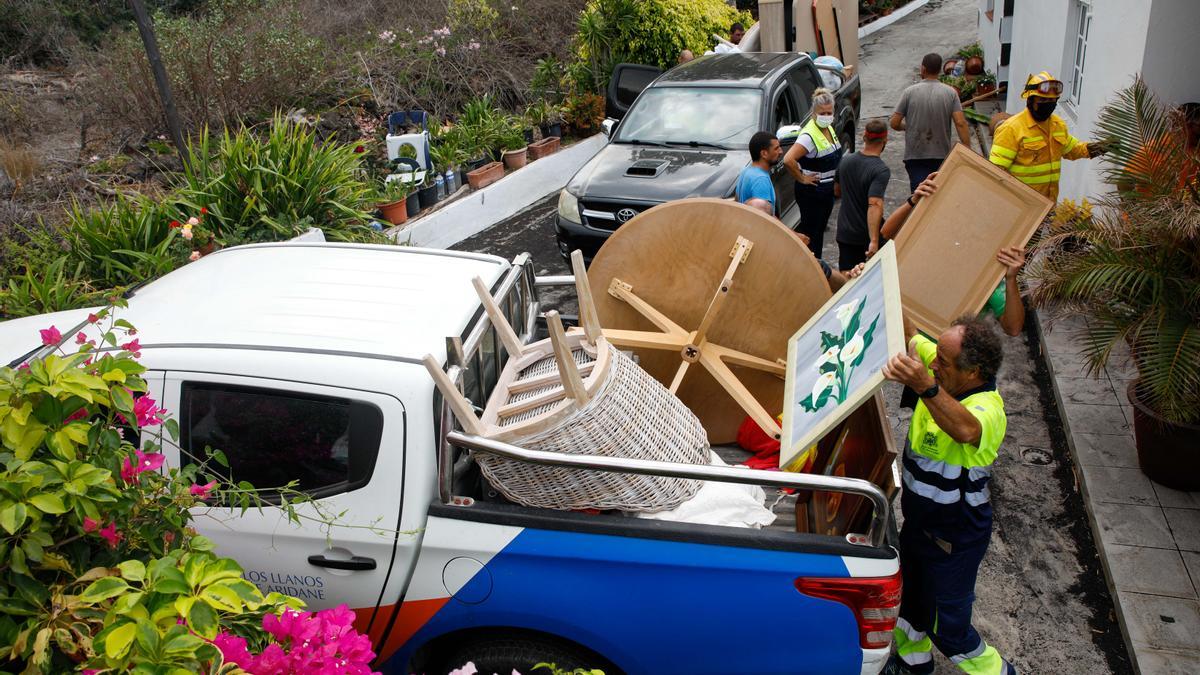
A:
x: 939, y: 590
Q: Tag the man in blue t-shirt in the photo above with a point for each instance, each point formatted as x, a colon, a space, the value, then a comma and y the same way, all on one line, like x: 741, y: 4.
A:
x: 754, y: 182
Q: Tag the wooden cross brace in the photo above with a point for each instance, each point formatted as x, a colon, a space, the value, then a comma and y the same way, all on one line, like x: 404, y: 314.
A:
x: 694, y: 347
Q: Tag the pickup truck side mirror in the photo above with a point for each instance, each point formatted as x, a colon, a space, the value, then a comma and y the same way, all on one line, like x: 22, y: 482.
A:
x: 609, y: 126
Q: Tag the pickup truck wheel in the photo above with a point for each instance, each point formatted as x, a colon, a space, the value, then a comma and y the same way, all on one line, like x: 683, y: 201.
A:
x: 846, y: 138
x: 503, y: 655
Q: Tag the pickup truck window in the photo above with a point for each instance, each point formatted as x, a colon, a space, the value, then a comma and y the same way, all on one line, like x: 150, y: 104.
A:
x: 724, y: 117
x: 803, y: 82
x: 271, y: 437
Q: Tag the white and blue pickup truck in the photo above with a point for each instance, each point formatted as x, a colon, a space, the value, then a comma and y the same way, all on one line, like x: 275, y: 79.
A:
x: 301, y: 361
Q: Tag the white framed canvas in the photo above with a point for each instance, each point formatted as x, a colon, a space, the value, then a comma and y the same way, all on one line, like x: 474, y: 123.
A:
x: 835, y: 361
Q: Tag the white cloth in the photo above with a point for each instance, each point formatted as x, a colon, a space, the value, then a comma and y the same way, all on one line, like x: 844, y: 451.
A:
x: 727, y: 504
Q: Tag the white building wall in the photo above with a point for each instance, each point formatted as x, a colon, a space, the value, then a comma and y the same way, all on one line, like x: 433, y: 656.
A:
x: 1172, y: 54
x: 989, y: 35
x: 1043, y: 38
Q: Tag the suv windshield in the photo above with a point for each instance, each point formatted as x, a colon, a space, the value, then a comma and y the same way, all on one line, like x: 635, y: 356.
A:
x: 726, y: 117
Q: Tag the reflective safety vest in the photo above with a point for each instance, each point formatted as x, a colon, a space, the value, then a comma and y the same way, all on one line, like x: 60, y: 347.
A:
x: 822, y: 163
x: 946, y: 490
x: 1033, y: 152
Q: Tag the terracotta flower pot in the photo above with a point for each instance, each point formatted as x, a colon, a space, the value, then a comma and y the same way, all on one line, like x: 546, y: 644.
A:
x: 1166, y: 452
x: 515, y: 159
x: 546, y: 146
x: 485, y: 175
x: 974, y: 65
x: 395, y: 212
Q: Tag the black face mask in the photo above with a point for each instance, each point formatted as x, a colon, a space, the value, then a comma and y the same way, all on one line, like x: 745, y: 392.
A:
x: 1041, y: 110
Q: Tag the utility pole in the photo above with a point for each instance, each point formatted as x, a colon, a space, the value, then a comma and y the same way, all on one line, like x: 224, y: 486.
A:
x: 160, y: 77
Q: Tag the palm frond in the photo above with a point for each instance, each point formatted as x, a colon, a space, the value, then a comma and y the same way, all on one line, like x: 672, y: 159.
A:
x: 1148, y: 154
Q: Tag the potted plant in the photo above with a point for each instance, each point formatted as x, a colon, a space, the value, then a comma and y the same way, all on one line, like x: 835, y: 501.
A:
x: 1130, y: 268
x: 514, y: 146
x: 551, y: 120
x: 985, y: 83
x: 427, y: 193
x: 955, y: 83
x: 973, y: 57
x: 485, y: 175
x: 393, y: 202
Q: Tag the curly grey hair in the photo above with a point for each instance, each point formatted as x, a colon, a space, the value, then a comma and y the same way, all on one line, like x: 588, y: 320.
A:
x: 981, y: 347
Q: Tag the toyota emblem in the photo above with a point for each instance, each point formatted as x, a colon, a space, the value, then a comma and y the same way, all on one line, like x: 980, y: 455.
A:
x: 624, y: 215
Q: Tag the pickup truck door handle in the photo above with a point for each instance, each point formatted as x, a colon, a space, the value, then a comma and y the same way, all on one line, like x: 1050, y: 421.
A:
x: 355, y: 563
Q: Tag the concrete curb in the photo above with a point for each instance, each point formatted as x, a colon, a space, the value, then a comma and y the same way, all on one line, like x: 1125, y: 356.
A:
x: 883, y: 22
x: 482, y: 209
x: 1081, y: 478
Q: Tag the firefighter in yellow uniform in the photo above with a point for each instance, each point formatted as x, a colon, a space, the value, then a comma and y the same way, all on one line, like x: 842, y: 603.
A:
x: 1032, y: 144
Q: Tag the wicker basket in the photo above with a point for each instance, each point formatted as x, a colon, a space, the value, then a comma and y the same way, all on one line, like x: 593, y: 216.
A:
x: 630, y: 414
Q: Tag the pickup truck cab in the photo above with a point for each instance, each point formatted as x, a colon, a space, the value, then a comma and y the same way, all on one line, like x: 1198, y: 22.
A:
x: 686, y: 135
x: 301, y: 361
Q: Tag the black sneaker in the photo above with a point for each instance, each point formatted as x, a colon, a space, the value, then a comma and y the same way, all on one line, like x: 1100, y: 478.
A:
x: 895, y: 666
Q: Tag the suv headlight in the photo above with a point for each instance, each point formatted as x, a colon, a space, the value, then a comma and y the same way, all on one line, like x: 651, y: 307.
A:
x: 568, y: 207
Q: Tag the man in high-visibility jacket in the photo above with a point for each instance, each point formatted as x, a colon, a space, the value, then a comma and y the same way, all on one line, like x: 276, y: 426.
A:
x: 1031, y: 145
x: 953, y: 439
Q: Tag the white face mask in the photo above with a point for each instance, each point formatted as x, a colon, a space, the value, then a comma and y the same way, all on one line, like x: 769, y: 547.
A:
x: 824, y: 121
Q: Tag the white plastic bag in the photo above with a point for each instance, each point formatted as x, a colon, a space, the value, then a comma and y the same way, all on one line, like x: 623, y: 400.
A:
x: 728, y: 504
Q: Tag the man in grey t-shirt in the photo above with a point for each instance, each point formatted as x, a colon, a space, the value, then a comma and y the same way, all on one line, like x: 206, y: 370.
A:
x: 924, y: 114
x: 862, y: 179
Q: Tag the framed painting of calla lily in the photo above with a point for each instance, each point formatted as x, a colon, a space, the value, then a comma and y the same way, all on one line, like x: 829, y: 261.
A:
x: 835, y: 362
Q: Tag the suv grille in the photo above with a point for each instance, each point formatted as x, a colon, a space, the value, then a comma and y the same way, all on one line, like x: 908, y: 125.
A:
x: 608, y: 216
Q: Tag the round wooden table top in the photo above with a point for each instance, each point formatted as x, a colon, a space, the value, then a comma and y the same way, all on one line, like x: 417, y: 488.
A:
x: 674, y: 256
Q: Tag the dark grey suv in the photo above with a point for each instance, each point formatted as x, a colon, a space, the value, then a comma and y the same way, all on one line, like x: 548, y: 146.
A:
x: 685, y: 135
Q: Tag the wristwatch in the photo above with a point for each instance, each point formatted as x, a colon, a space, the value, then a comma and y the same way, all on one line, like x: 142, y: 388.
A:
x: 930, y: 392
x: 910, y: 201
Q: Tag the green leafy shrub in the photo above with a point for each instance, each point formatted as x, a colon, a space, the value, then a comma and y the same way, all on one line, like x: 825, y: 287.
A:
x: 275, y: 187
x: 99, y: 567
x: 122, y: 242
x: 233, y: 62
x: 52, y: 287
x: 651, y: 32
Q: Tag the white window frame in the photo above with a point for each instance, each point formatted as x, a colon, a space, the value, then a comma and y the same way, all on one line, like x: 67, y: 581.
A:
x: 1075, y: 66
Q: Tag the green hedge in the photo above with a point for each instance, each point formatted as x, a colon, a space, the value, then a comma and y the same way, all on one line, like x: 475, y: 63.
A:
x: 651, y: 32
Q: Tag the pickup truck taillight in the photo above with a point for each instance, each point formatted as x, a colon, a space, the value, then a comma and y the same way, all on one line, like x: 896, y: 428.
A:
x: 875, y: 602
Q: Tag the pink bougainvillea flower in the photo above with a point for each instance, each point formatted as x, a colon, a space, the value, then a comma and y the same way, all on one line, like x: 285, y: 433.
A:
x: 90, y: 525
x: 92, y: 318
x: 150, y: 462
x: 233, y: 649
x: 23, y: 366
x: 111, y: 535
x: 50, y: 336
x: 133, y: 347
x: 77, y: 415
x: 201, y: 491
x: 81, y: 339
x: 148, y: 413
x: 194, y: 256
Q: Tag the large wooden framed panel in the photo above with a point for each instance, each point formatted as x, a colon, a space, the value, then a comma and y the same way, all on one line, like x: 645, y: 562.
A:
x: 947, y: 248
x: 835, y: 361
